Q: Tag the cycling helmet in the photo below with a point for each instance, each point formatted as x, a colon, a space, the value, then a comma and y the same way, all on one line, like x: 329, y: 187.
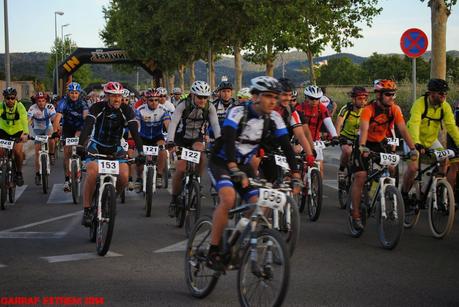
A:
x: 437, y: 85
x: 244, y: 93
x: 74, y: 86
x: 385, y: 85
x: 161, y: 91
x: 313, y: 91
x: 294, y: 94
x: 200, y: 88
x: 177, y: 90
x: 10, y: 91
x: 126, y: 93
x: 358, y: 91
x: 113, y: 88
x: 287, y: 85
x: 41, y: 95
x: 265, y: 84
x: 225, y: 85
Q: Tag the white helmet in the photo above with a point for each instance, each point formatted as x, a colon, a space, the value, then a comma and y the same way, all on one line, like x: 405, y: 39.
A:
x: 126, y: 93
x: 177, y: 90
x: 313, y: 91
x: 244, y: 93
x: 265, y: 84
x: 161, y: 91
x: 200, y: 88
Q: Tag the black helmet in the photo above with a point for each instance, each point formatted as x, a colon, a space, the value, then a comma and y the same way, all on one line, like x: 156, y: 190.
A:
x: 225, y: 85
x: 10, y: 91
x: 437, y: 85
x: 357, y: 91
x: 287, y: 85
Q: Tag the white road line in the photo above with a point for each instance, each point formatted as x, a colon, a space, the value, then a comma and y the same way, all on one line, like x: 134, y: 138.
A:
x: 77, y: 257
x: 332, y: 183
x: 31, y: 235
x: 19, y: 191
x: 177, y: 247
x: 58, y: 196
x: 3, y: 265
x: 44, y: 221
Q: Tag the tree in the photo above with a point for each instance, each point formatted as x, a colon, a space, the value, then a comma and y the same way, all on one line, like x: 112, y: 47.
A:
x: 341, y: 71
x: 440, y: 11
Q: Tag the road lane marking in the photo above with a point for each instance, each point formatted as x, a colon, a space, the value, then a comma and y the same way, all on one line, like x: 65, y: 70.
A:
x: 332, y: 183
x: 177, y: 247
x: 78, y: 257
x: 32, y: 235
x: 3, y: 265
x: 58, y: 196
x: 19, y: 191
x: 43, y: 222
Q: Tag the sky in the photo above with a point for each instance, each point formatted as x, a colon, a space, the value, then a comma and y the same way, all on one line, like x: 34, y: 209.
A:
x: 31, y: 25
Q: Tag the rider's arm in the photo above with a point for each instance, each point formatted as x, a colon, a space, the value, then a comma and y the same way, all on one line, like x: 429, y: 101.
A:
x: 166, y: 123
x: 450, y: 123
x: 176, y: 117
x: 281, y: 133
x: 364, y: 125
x: 23, y: 118
x: 56, y: 121
x: 414, y: 124
x: 400, y: 122
x: 340, y: 119
x: 213, y: 119
x: 299, y: 133
x: 134, y: 130
x: 87, y: 129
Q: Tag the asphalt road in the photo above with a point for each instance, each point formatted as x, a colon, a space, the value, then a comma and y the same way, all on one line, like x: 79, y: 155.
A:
x: 45, y: 252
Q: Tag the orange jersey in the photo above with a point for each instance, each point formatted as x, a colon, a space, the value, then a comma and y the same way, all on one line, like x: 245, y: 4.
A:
x: 381, y: 121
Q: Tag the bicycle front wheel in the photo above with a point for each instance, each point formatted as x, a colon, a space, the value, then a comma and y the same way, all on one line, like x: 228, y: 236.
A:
x: 290, y: 230
x: 106, y: 225
x: 390, y: 222
x: 441, y: 216
x: 193, y: 209
x: 200, y: 279
x: 4, y: 188
x: 149, y: 191
x: 93, y: 226
x: 263, y: 281
x: 44, y: 173
x: 75, y: 183
x: 12, y: 185
x: 343, y: 190
x: 314, y: 201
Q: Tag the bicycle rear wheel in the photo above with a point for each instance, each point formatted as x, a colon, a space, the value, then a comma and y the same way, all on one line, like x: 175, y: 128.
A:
x: 149, y: 191
x: 75, y: 183
x: 93, y: 227
x: 199, y: 279
x: 441, y: 218
x: 12, y: 185
x: 290, y: 231
x: 390, y: 228
x: 314, y: 201
x: 269, y: 285
x: 343, y: 191
x: 44, y: 173
x: 193, y: 209
x: 411, y: 216
x: 107, y: 224
x: 180, y: 210
x: 4, y: 188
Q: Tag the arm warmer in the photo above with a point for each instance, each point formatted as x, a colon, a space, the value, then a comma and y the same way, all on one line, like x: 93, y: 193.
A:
x: 330, y: 127
x: 87, y: 129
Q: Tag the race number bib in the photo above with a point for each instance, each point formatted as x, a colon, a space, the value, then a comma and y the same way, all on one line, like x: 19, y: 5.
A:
x: 389, y: 159
x: 281, y: 161
x: 151, y: 150
x: 41, y: 138
x: 393, y: 141
x: 190, y: 155
x: 6, y: 144
x: 71, y: 141
x: 273, y: 199
x: 444, y: 154
x: 319, y: 145
x: 108, y: 167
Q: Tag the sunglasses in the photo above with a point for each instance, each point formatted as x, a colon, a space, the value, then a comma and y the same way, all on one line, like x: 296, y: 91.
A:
x: 442, y: 93
x: 312, y: 98
x: 10, y: 98
x: 202, y: 97
x: 389, y: 95
x: 153, y: 99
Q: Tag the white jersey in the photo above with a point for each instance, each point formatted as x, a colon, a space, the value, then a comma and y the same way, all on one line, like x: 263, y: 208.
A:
x: 169, y: 106
x: 41, y: 119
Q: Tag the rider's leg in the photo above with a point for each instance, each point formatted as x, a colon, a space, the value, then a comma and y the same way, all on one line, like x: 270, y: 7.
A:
x: 67, y: 154
x: 90, y: 182
x: 356, y: 195
x: 346, y: 151
x: 122, y: 181
x: 180, y: 167
x: 227, y: 197
x: 409, y: 176
x: 19, y: 155
x: 37, y: 149
x: 162, y: 156
x: 452, y: 173
x: 199, y: 146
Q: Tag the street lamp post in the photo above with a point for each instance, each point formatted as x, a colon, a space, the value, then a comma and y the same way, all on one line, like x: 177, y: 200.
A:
x: 7, y: 45
x: 56, y: 76
x: 62, y: 38
x: 70, y: 47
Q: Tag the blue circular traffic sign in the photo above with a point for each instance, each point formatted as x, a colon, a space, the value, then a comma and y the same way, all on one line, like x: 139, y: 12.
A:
x: 414, y: 42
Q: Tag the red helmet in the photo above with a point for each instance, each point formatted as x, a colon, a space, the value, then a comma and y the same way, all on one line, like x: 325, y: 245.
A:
x: 41, y: 95
x: 113, y: 88
x: 385, y: 85
x: 151, y: 93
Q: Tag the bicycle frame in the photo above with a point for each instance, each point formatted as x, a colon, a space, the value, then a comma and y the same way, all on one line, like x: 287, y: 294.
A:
x: 384, y: 180
x: 43, y: 151
x: 149, y: 163
x: 104, y: 180
x: 422, y: 193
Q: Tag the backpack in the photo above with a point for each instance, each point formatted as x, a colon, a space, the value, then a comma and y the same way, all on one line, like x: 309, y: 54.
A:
x: 378, y: 111
x: 16, y: 114
x: 424, y: 114
x: 189, y: 107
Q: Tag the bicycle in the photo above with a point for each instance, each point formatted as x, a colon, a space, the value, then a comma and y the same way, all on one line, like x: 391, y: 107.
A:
x: 149, y: 175
x: 7, y: 174
x: 190, y: 198
x: 386, y: 204
x: 75, y: 169
x: 103, y: 205
x: 437, y: 194
x: 258, y: 253
x: 44, y: 163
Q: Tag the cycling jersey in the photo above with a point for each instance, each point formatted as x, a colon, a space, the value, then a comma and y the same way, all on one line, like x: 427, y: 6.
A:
x: 313, y: 116
x: 151, y: 121
x: 291, y: 117
x: 191, y: 125
x: 41, y: 119
x: 351, y: 123
x: 222, y: 107
x: 138, y: 103
x: 381, y: 121
x: 13, y: 120
x: 72, y: 112
x: 168, y: 106
x: 424, y: 129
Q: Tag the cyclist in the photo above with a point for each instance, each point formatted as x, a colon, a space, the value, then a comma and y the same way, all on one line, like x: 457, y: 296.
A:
x: 152, y: 118
x: 143, y: 98
x: 347, y: 126
x: 40, y: 115
x: 225, y: 100
x: 427, y: 116
x: 187, y: 129
x: 108, y: 119
x: 454, y: 166
x: 14, y: 126
x: 243, y: 95
x: 175, y: 97
x: 376, y: 122
x: 245, y: 128
x: 294, y: 101
x: 126, y: 97
x: 164, y: 100
x: 72, y: 110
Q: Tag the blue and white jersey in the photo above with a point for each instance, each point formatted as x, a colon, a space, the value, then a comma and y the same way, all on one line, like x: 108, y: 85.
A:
x: 41, y: 119
x: 250, y: 137
x: 151, y: 121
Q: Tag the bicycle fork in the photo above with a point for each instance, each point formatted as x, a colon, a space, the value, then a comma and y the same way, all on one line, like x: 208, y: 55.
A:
x: 111, y: 181
x: 383, y: 183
